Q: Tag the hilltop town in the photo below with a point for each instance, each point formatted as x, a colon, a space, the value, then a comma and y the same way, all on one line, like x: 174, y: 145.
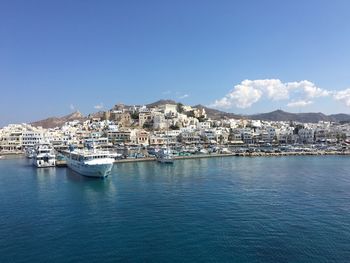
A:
x: 185, y: 128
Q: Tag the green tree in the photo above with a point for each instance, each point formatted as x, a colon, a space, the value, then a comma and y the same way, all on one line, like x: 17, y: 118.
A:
x: 297, y: 128
x: 201, y: 119
x: 190, y: 114
x: 179, y: 107
x: 148, y: 125
x: 174, y: 127
x: 134, y: 115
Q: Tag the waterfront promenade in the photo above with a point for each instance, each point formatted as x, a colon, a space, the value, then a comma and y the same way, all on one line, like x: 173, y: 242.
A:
x: 215, y: 155
x: 253, y: 154
x: 62, y: 163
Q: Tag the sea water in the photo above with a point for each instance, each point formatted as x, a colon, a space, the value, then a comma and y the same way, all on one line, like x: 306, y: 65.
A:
x: 230, y: 209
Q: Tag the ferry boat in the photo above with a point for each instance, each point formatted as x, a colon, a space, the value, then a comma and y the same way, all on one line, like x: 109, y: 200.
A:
x: 90, y: 163
x: 44, y: 155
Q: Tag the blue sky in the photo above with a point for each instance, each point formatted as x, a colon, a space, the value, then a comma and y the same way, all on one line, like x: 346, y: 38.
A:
x: 60, y: 55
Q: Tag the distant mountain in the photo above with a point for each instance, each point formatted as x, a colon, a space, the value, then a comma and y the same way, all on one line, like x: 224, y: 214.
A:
x: 341, y: 117
x: 214, y: 114
x: 161, y: 102
x: 217, y: 114
x: 53, y: 122
x: 311, y: 117
x: 98, y: 114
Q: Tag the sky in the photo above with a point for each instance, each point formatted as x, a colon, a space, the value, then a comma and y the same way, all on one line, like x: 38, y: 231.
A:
x: 239, y: 56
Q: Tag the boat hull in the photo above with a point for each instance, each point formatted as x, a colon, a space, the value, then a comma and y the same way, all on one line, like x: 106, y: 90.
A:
x: 88, y: 170
x: 44, y: 163
x: 165, y: 160
x: 43, y: 155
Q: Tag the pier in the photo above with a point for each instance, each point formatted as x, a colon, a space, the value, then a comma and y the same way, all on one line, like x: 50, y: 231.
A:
x: 253, y: 154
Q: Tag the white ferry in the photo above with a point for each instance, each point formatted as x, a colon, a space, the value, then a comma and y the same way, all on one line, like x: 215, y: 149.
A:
x: 90, y: 163
x: 44, y: 155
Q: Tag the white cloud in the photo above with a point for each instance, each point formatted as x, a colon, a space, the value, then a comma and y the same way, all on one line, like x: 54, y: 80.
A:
x: 99, y: 106
x: 241, y: 96
x: 299, y: 103
x: 273, y: 88
x: 308, y: 88
x: 183, y: 96
x: 248, y: 92
x: 72, y: 107
x: 343, y: 96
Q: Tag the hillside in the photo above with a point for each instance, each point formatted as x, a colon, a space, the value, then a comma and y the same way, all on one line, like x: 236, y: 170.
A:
x: 160, y: 102
x: 217, y: 114
x: 53, y: 122
x: 214, y: 114
x: 280, y: 115
x: 341, y: 117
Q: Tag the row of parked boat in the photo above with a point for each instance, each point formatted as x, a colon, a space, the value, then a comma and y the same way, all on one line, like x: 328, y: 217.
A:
x: 42, y: 155
x: 89, y: 162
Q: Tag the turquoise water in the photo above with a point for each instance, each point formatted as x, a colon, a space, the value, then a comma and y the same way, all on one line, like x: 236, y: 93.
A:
x: 284, y: 209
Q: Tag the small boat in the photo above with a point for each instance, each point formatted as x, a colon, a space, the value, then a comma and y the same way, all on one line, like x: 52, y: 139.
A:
x: 29, y: 152
x: 44, y: 155
x: 153, y: 151
x: 165, y: 158
x: 225, y: 151
x: 164, y: 155
x: 204, y: 151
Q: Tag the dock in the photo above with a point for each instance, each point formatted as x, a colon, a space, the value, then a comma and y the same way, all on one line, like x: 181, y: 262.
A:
x: 252, y: 154
x: 63, y: 163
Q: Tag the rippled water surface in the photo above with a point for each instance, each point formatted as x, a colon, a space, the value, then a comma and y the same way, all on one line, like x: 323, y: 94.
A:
x: 283, y: 209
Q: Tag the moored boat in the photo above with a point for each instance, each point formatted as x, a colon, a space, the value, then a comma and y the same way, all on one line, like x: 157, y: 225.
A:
x: 165, y: 155
x: 165, y: 158
x: 90, y: 163
x: 29, y: 152
x: 44, y: 155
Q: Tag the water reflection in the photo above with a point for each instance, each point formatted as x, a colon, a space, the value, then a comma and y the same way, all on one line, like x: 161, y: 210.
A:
x: 45, y: 172
x: 93, y: 188
x: 44, y: 176
x: 145, y: 174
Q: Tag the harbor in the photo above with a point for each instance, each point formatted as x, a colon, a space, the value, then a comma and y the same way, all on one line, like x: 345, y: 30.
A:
x: 62, y: 163
x: 232, y: 204
x: 166, y: 131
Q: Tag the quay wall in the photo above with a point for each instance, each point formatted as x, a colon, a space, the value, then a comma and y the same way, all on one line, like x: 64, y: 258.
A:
x: 253, y: 154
